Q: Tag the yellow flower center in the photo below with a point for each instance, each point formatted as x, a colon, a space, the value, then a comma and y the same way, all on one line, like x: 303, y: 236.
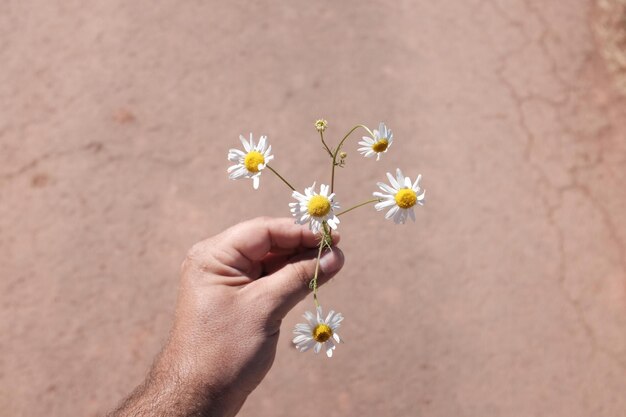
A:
x: 322, y: 333
x: 406, y: 198
x: 318, y: 206
x: 381, y: 145
x: 253, y: 160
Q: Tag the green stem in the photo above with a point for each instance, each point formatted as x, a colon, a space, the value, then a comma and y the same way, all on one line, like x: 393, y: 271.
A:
x: 317, y: 268
x: 281, y: 177
x: 374, y: 200
x: 325, y: 242
x: 325, y: 145
x: 332, y: 177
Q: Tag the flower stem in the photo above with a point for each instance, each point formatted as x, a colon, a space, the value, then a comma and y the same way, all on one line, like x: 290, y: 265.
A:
x: 374, y: 200
x: 281, y: 177
x: 317, y: 268
x: 332, y: 177
x: 325, y: 242
x: 325, y: 145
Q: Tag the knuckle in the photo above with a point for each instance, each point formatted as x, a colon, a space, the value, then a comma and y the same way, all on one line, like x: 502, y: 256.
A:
x: 304, y: 277
x: 263, y: 218
x: 197, y: 255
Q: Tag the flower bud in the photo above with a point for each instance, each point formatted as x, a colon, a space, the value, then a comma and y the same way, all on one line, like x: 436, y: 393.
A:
x: 321, y: 125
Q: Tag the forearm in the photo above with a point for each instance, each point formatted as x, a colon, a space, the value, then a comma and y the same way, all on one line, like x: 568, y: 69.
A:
x: 167, y: 398
x: 170, y: 392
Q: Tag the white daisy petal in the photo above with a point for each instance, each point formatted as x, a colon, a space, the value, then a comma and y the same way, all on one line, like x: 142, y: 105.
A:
x: 330, y: 315
x: 245, y: 143
x: 382, y: 196
x: 416, y: 184
x: 307, y: 346
x: 330, y: 346
x: 337, y: 319
x: 392, y: 212
x: 319, y: 314
x: 238, y: 173
x: 310, y: 318
x: 387, y: 188
x: 393, y: 181
x: 380, y: 206
x: 400, y: 178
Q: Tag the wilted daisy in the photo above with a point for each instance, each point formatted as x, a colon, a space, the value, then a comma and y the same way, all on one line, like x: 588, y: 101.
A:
x: 382, y: 140
x: 250, y: 163
x: 401, y: 196
x: 315, y: 208
x: 318, y: 332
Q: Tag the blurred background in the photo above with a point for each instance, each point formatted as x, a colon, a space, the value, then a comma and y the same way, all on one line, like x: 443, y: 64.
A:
x: 506, y: 298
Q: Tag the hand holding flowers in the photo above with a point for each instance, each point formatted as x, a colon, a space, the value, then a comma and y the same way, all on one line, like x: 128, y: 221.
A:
x: 320, y: 210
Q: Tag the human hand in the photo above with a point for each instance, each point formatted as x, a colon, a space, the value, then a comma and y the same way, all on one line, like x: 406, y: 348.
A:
x: 235, y: 289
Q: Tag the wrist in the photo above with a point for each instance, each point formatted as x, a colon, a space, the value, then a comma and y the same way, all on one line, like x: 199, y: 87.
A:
x: 170, y: 391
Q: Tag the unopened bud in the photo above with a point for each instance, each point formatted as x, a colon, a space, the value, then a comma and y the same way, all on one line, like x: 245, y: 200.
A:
x: 321, y: 125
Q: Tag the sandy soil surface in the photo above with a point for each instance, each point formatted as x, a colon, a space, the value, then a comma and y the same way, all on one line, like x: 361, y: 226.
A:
x: 506, y: 298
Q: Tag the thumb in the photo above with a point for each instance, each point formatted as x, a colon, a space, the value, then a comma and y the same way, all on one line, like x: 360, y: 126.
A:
x: 290, y: 284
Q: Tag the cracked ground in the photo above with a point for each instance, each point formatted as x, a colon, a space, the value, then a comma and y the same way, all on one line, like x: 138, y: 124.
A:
x: 506, y: 298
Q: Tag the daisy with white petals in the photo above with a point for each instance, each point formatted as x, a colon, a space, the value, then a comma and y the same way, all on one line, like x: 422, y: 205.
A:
x: 382, y: 140
x: 250, y: 163
x: 400, y: 197
x: 315, y: 208
x: 318, y: 332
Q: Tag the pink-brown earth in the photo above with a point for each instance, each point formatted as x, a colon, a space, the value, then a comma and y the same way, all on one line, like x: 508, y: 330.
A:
x: 506, y: 298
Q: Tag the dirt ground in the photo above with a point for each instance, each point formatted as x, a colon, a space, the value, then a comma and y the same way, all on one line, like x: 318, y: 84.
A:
x: 506, y: 298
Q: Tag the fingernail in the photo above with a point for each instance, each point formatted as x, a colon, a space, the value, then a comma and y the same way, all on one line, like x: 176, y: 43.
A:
x: 331, y: 261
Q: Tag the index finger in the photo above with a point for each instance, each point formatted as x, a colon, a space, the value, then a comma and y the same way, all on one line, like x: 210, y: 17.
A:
x: 255, y: 238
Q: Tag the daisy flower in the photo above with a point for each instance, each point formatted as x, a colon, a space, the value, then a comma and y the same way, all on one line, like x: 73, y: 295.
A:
x: 315, y: 208
x: 401, y: 196
x: 382, y: 140
x: 317, y: 332
x: 250, y: 163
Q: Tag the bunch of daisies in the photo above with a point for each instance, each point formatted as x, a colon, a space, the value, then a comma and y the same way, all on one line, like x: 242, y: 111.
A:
x: 320, y: 210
